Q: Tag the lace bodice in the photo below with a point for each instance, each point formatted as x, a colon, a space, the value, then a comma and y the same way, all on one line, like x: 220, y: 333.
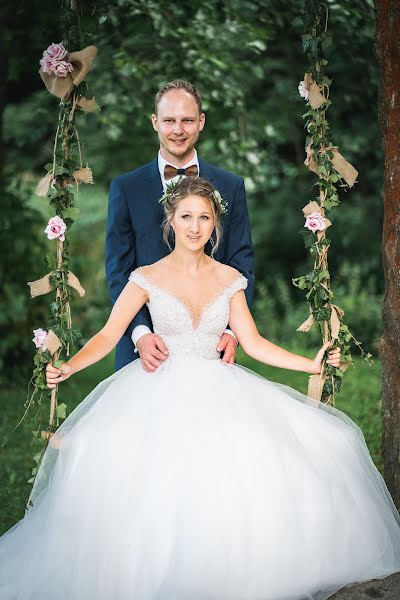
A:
x: 174, y: 321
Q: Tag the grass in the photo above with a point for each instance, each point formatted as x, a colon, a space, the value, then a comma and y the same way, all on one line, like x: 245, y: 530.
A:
x: 359, y: 398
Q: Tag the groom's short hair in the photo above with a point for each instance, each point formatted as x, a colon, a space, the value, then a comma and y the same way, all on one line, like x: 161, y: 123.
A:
x: 179, y: 84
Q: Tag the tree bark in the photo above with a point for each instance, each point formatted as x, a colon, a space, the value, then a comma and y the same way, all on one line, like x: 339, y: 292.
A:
x: 388, y: 51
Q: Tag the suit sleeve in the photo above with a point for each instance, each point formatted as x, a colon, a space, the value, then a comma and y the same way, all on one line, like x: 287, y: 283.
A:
x: 239, y: 249
x: 120, y: 251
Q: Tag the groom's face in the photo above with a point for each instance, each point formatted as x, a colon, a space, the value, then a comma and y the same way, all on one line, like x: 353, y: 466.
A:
x: 178, y: 124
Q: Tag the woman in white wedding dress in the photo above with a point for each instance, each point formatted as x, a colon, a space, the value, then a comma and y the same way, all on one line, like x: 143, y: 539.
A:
x: 200, y: 480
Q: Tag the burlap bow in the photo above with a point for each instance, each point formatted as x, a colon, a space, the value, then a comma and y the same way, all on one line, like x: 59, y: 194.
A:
x: 62, y: 86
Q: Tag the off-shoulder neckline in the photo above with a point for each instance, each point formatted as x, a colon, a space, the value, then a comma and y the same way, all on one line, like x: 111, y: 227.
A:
x: 195, y: 320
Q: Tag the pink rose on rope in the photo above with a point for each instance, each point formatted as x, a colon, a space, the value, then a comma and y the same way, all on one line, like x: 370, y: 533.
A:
x: 53, y: 61
x: 56, y: 52
x: 315, y: 222
x: 303, y: 91
x: 45, y: 63
x: 61, y: 68
x: 56, y: 229
x: 40, y: 338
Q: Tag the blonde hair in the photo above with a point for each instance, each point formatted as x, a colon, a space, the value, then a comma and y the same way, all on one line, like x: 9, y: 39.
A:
x: 179, y: 84
x: 192, y: 186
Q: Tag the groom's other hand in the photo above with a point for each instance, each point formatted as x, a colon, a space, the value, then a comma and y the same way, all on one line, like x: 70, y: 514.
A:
x: 227, y: 345
x: 152, y: 351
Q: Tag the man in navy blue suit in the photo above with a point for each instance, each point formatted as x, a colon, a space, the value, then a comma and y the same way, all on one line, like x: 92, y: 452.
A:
x: 134, y: 235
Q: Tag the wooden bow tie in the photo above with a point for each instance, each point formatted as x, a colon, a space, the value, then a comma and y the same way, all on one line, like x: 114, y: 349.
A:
x: 170, y: 171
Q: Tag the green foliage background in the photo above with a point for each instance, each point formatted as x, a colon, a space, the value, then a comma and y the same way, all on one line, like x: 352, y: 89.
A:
x: 246, y: 57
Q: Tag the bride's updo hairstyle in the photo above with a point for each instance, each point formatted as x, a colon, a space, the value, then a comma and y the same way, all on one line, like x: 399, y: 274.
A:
x: 193, y: 186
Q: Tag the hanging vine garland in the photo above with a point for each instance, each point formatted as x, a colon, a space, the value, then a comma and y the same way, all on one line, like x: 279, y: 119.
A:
x: 63, y: 74
x: 332, y: 169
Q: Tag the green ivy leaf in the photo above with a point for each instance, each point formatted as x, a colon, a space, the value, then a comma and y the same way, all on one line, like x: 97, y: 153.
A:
x: 322, y: 314
x: 309, y: 237
x: 61, y: 411
x: 300, y: 282
x: 324, y: 274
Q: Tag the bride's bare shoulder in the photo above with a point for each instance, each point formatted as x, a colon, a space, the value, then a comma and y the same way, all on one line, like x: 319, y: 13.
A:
x: 226, y: 273
x: 152, y: 269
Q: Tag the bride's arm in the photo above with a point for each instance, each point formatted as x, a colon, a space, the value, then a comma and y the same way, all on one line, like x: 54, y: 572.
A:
x: 129, y: 302
x: 259, y: 348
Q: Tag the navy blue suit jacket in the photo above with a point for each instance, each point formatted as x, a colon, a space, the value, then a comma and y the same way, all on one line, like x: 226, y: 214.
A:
x: 134, y: 234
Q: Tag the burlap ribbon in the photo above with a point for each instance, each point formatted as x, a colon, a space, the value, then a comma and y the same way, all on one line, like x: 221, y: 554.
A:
x: 336, y: 314
x: 52, y: 343
x: 310, y: 161
x: 83, y: 175
x: 61, y: 87
x: 339, y: 163
x: 42, y: 188
x: 43, y: 285
x: 315, y: 96
x: 316, y: 385
x: 344, y: 168
x: 316, y: 382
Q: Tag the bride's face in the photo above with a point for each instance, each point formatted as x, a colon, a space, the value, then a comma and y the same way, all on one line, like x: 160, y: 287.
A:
x: 193, y: 223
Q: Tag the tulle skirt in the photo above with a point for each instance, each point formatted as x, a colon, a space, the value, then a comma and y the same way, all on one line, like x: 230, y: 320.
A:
x: 201, y: 481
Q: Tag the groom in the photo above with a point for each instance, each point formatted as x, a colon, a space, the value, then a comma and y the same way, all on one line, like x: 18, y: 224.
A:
x: 134, y: 236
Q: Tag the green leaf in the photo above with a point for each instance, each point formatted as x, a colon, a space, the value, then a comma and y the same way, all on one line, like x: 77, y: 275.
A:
x: 322, y: 314
x: 323, y: 275
x: 300, y: 282
x: 37, y: 457
x: 57, y: 364
x: 323, y: 294
x: 61, y: 411
x: 309, y: 237
x: 59, y: 170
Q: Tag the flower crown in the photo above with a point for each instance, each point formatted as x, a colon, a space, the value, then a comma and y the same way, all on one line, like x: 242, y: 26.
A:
x: 171, y: 188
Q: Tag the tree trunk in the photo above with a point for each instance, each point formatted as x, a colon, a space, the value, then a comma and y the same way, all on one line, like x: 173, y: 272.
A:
x: 388, y: 51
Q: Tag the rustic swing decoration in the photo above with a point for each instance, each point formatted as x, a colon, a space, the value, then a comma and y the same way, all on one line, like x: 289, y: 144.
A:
x: 63, y: 73
x: 332, y: 170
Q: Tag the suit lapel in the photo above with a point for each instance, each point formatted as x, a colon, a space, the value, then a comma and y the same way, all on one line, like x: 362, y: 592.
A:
x: 154, y: 187
x: 206, y: 172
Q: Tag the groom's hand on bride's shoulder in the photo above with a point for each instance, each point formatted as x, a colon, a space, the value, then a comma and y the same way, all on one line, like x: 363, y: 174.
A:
x: 227, y: 345
x: 152, y: 351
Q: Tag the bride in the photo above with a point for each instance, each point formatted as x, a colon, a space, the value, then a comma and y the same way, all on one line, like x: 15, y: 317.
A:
x: 201, y: 480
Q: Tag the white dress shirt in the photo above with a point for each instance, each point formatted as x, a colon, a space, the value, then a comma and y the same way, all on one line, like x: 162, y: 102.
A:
x: 141, y: 330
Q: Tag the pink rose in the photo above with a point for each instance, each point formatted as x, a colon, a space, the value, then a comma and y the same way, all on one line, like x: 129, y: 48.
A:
x: 303, y: 91
x: 40, y: 337
x: 61, y: 68
x: 45, y: 63
x: 55, y: 52
x: 56, y: 229
x: 315, y: 222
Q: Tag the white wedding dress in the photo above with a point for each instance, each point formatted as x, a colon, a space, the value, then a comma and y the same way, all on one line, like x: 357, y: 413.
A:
x: 200, y: 481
